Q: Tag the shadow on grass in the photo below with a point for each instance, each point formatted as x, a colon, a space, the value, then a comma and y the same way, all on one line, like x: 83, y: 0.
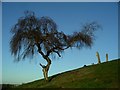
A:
x: 52, y: 77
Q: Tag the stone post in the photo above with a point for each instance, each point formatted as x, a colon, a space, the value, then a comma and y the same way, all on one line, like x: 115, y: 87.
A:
x: 106, y: 57
x: 97, y: 54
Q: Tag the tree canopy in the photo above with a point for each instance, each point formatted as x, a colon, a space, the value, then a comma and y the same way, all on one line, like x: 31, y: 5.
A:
x: 32, y: 33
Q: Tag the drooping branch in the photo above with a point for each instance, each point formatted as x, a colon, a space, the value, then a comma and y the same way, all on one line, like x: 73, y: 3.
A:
x: 57, y: 53
x: 54, y: 50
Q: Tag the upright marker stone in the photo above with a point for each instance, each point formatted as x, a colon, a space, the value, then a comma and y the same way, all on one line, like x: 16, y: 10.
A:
x: 97, y: 54
x: 106, y: 57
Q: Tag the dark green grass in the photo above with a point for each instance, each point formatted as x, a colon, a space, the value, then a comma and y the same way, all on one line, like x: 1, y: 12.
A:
x: 104, y: 75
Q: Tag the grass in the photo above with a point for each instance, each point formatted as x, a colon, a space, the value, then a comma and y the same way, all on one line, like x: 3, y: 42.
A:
x: 104, y: 75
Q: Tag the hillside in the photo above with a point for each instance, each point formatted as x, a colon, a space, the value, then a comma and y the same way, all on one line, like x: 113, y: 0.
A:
x: 104, y: 75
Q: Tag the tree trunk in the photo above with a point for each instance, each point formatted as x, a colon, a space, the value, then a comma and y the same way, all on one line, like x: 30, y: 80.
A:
x: 46, y: 68
x: 45, y: 72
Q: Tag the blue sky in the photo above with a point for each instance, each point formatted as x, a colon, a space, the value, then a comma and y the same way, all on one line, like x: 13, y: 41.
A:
x: 69, y: 18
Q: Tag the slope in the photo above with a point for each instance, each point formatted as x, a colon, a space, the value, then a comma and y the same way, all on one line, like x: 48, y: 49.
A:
x: 104, y: 75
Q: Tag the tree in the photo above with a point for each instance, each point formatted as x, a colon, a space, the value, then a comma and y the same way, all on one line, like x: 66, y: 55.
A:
x: 32, y: 35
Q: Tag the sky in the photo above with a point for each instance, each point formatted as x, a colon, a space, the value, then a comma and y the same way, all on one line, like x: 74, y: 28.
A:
x: 69, y: 18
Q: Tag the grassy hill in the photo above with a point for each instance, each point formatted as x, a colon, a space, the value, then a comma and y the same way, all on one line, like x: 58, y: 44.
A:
x: 104, y: 75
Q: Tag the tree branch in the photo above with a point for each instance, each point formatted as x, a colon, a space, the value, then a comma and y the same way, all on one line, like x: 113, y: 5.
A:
x: 39, y: 50
x: 57, y: 53
x: 43, y: 66
x: 53, y: 50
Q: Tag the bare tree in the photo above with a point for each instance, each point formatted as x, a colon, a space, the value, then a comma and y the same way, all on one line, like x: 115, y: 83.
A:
x: 32, y: 35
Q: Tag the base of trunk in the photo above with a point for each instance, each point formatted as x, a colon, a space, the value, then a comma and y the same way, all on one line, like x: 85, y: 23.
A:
x: 45, y: 73
x: 45, y: 70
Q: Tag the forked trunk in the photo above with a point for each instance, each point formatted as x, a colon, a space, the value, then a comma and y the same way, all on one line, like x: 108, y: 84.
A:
x: 45, y: 73
x: 46, y: 68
